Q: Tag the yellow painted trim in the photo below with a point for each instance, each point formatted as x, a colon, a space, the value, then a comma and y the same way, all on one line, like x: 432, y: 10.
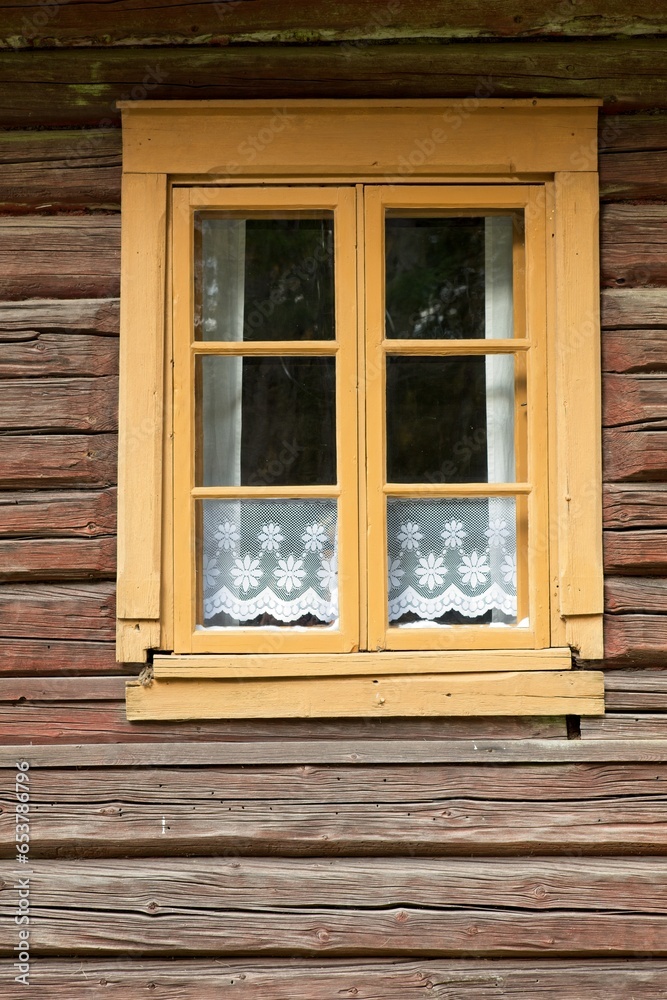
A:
x: 578, y: 692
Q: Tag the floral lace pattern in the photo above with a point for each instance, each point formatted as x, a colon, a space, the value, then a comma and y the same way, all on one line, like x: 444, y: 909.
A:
x: 451, y: 554
x: 270, y: 560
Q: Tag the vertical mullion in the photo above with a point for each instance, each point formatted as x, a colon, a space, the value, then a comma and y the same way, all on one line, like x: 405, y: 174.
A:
x: 361, y: 417
x: 374, y: 381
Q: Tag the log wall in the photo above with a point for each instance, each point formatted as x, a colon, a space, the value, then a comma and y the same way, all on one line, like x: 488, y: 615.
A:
x: 468, y: 859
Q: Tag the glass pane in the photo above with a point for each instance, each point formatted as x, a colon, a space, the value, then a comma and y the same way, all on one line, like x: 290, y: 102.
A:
x: 264, y: 277
x: 452, y: 561
x: 450, y: 419
x: 266, y: 421
x: 449, y: 278
x: 269, y: 563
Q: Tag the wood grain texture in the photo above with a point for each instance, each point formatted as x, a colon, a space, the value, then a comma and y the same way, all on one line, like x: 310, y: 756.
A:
x: 637, y: 550
x: 36, y: 657
x: 32, y: 354
x: 633, y: 242
x: 631, y: 308
x: 634, y: 506
x: 637, y: 454
x: 62, y: 514
x: 635, y: 593
x: 646, y: 131
x: 94, y: 724
x: 100, y: 316
x: 633, y: 399
x: 625, y: 726
x: 308, y: 827
x: 57, y: 460
x: 636, y: 690
x: 73, y: 256
x: 196, y: 23
x: 45, y: 689
x: 636, y: 639
x: 61, y: 87
x: 60, y: 169
x: 58, y: 559
x: 634, y: 351
x: 68, y: 611
x: 359, y: 751
x: 61, y: 405
x: 256, y: 979
x: 634, y: 176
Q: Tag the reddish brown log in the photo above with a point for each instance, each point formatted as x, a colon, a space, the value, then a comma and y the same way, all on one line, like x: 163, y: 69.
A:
x: 633, y: 133
x: 634, y: 176
x: 636, y: 690
x: 46, y: 515
x: 54, y: 460
x: 636, y: 639
x: 37, y: 657
x: 66, y: 87
x: 634, y: 454
x: 100, y: 316
x: 62, y: 169
x: 633, y: 245
x: 628, y: 399
x: 623, y: 725
x: 634, y: 506
x: 31, y: 354
x: 77, y: 257
x: 40, y: 689
x: 196, y: 22
x: 634, y: 351
x: 63, y: 405
x: 629, y: 594
x: 633, y: 307
x: 365, y: 979
x: 87, y: 723
x: 68, y: 611
x: 58, y: 559
x: 644, y: 551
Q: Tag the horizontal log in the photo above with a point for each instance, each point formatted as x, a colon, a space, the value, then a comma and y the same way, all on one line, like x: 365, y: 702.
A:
x: 58, y: 558
x: 634, y: 506
x: 641, y: 551
x: 324, y: 750
x: 632, y: 399
x: 194, y: 22
x: 57, y: 460
x: 100, y: 316
x: 80, y: 723
x: 32, y: 354
x: 634, y: 176
x: 61, y: 405
x: 636, y: 690
x: 636, y: 639
x: 634, y: 351
x: 67, y: 611
x: 633, y: 245
x: 401, y: 783
x: 63, y: 87
x: 633, y: 133
x: 74, y: 256
x: 35, y: 657
x: 61, y: 688
x: 625, y: 726
x: 635, y: 454
x: 74, y: 513
x: 365, y: 979
x: 628, y: 594
x: 444, y: 827
x: 631, y: 308
x: 60, y: 169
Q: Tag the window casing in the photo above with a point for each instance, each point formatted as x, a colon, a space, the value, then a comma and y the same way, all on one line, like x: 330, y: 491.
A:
x: 390, y: 512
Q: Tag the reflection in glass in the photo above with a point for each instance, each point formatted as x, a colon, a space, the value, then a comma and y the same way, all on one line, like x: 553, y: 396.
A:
x: 266, y: 421
x: 449, y: 277
x: 264, y: 277
x: 450, y: 419
x: 269, y: 562
x: 452, y: 561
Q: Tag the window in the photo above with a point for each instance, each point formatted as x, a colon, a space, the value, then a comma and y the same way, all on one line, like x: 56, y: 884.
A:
x: 360, y: 466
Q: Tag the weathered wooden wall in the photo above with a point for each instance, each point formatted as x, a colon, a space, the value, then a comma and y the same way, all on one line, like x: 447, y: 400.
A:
x: 466, y: 859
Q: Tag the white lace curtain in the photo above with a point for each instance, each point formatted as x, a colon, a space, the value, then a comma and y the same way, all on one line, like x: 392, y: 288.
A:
x: 275, y: 560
